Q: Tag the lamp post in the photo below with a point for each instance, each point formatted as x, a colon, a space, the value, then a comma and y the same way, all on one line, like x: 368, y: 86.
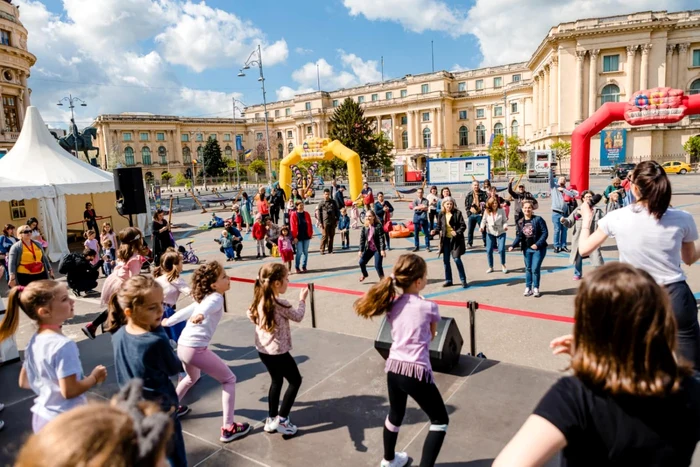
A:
x: 235, y: 142
x: 246, y: 66
x: 193, y: 160
x: 71, y: 104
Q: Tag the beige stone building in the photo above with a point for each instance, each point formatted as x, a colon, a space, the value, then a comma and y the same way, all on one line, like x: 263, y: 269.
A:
x: 577, y: 67
x: 15, y: 64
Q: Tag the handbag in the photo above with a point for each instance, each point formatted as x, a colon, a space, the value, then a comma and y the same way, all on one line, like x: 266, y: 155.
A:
x: 388, y: 225
x: 275, y: 251
x: 34, y: 267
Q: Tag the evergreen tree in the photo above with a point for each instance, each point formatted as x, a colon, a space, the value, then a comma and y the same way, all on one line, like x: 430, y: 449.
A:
x: 212, y: 162
x: 349, y: 126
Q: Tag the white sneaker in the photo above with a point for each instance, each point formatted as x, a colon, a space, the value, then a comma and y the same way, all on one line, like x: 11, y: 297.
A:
x: 489, y: 270
x: 535, y: 292
x: 286, y: 427
x: 271, y: 424
x: 527, y: 292
x: 504, y: 269
x: 400, y: 459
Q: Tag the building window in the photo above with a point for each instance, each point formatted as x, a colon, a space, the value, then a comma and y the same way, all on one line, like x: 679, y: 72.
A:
x: 277, y: 113
x: 498, y: 111
x: 404, y: 140
x: 289, y: 134
x: 200, y: 153
x: 129, y: 156
x: 279, y: 135
x: 126, y: 136
x: 160, y: 136
x: 696, y: 57
x: 257, y: 115
x: 212, y: 136
x: 479, y: 84
x: 287, y: 112
x: 228, y: 152
x: 227, y: 136
x: 404, y: 93
x: 280, y: 151
x: 335, y: 103
x: 186, y: 156
x: 695, y: 87
x: 184, y: 137
x: 514, y: 127
x: 404, y: 120
x: 4, y: 37
x: 309, y: 130
x: 290, y: 148
x: 480, y: 135
x: 146, y: 155
x: 498, y: 129
x: 375, y: 97
x: 199, y: 137
x: 513, y: 107
x: 610, y: 93
x: 426, y: 116
x: 17, y: 209
x: 462, y: 114
x: 163, y: 155
x: 497, y: 82
x: 611, y: 63
x: 258, y: 136
x: 143, y: 136
x: 426, y: 138
x: 307, y: 105
x: 388, y: 95
x: 361, y: 99
x: 463, y: 136
x: 516, y: 78
x: 461, y: 87
x: 424, y: 88
x: 480, y: 113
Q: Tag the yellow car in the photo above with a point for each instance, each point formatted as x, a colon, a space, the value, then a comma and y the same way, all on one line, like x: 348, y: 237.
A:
x: 676, y: 167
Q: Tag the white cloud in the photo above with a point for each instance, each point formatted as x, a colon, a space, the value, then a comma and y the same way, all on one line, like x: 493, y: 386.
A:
x: 303, y: 51
x: 414, y: 15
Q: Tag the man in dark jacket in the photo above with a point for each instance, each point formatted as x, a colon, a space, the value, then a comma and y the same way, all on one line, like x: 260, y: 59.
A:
x: 519, y: 196
x: 420, y: 220
x: 474, y: 206
x: 236, y: 238
x: 82, y: 276
x: 328, y: 214
x: 339, y: 197
x: 276, y: 204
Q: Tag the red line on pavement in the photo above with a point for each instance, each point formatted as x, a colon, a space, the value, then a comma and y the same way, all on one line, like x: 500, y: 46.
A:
x: 482, y: 306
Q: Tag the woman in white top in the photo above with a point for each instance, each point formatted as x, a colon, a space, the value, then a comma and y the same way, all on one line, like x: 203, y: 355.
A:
x: 655, y: 238
x: 432, y: 198
x: 495, y: 223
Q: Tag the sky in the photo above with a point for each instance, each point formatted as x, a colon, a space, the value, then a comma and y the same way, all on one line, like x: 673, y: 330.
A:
x: 182, y: 57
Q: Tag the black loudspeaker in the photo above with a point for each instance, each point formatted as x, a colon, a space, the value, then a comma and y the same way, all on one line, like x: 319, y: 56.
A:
x: 128, y: 184
x: 445, y: 348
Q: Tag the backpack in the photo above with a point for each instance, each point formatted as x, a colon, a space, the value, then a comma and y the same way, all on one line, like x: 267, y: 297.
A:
x: 68, y: 262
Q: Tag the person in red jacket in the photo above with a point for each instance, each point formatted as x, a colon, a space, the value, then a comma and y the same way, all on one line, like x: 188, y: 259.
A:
x: 259, y: 235
x: 302, y: 231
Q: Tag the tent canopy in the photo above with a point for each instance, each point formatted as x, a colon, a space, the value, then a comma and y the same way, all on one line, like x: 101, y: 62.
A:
x: 13, y: 189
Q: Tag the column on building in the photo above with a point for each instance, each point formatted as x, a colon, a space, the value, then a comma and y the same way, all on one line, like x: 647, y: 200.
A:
x: 409, y: 128
x: 592, y: 80
x: 536, y: 102
x: 629, y: 70
x: 669, y: 65
x: 644, y: 72
x: 437, y: 140
x: 2, y: 112
x: 542, y: 101
x: 580, y: 55
x: 545, y: 91
x: 23, y: 80
x: 553, y: 90
x: 682, y: 65
x: 393, y: 132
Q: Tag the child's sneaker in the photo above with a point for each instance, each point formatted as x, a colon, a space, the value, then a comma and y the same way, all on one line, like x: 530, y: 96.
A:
x: 271, y: 424
x: 182, y: 411
x: 235, y: 431
x: 89, y: 331
x: 286, y: 427
x: 400, y: 459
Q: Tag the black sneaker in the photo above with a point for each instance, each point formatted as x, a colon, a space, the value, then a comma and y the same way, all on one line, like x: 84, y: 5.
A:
x: 89, y: 331
x: 557, y: 250
x: 566, y: 250
x: 235, y: 431
x: 447, y: 284
x: 428, y: 249
x: 182, y: 411
x: 415, y: 249
x: 465, y: 285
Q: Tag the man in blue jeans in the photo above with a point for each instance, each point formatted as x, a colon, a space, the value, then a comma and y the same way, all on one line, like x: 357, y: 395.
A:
x: 559, y: 209
x: 474, y: 206
x: 420, y: 221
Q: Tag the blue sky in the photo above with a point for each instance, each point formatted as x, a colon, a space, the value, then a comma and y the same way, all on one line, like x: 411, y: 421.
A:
x: 181, y: 57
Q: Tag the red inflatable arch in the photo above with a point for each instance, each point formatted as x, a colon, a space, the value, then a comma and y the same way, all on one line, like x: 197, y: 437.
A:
x: 652, y: 106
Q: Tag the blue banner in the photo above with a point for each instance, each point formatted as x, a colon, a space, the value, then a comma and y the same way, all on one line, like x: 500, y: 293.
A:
x: 239, y: 142
x: 613, y: 146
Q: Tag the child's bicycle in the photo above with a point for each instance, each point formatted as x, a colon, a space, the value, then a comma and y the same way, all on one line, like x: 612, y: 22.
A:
x: 188, y: 254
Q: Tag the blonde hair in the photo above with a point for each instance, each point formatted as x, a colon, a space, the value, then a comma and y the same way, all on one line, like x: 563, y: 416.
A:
x: 23, y: 228
x: 168, y: 267
x: 132, y: 295
x: 263, y: 293
x: 29, y: 299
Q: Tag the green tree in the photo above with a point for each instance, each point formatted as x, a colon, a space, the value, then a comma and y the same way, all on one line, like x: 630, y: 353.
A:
x: 166, y: 177
x: 212, y: 163
x: 180, y: 180
x: 562, y: 150
x: 257, y: 167
x: 383, y: 158
x: 349, y: 126
x: 497, y: 151
x: 467, y: 154
x: 692, y: 147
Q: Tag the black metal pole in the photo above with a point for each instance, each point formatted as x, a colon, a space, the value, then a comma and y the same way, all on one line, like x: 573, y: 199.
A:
x: 312, y: 305
x: 472, y: 326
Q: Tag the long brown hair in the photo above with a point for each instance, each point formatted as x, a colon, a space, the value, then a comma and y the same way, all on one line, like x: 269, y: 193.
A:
x: 625, y: 333
x: 29, y: 299
x: 131, y: 243
x: 169, y: 263
x: 377, y: 301
x: 654, y: 187
x: 263, y: 293
x: 132, y: 294
x: 203, y: 279
x: 492, y: 206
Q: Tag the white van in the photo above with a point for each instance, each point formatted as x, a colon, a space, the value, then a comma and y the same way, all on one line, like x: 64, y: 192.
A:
x: 539, y: 163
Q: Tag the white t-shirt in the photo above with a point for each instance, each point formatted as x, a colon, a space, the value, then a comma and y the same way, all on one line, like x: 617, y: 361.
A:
x: 172, y: 290
x: 649, y: 244
x: 50, y: 357
x: 199, y: 335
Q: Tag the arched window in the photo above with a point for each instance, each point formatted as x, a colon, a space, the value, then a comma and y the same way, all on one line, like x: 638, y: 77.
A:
x: 186, y: 156
x: 129, y: 157
x: 480, y: 135
x: 463, y: 136
x: 228, y: 152
x: 404, y: 140
x: 498, y: 129
x: 146, y: 155
x: 280, y: 151
x: 427, y: 138
x: 610, y: 93
x: 200, y: 153
x: 514, y: 127
x: 290, y: 148
x: 695, y: 87
x: 163, y: 155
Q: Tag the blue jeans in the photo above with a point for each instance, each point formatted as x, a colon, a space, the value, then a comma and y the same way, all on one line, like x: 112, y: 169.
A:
x: 491, y: 241
x: 302, y: 249
x: 578, y: 267
x: 472, y: 221
x: 533, y: 263
x: 419, y: 224
x: 366, y: 256
x: 559, y: 231
x: 446, y: 255
x: 228, y: 251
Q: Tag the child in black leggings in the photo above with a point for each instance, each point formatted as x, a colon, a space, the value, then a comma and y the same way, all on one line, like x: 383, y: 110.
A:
x: 273, y: 339
x: 413, y: 320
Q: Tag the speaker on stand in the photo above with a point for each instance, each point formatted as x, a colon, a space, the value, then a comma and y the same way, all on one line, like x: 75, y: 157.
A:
x: 131, y: 197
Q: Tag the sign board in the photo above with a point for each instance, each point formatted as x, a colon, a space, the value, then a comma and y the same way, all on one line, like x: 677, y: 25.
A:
x: 613, y: 145
x: 314, y: 148
x: 458, y: 170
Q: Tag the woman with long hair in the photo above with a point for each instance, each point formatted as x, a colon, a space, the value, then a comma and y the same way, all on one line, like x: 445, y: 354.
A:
x: 450, y: 226
x: 495, y: 223
x: 372, y: 245
x: 7, y: 239
x: 531, y: 235
x: 654, y: 237
x: 162, y: 236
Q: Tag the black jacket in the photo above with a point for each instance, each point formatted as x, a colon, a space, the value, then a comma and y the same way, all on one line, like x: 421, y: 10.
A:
x: 378, y: 238
x: 328, y: 212
x: 539, y: 234
x: 457, y: 245
x: 277, y: 201
x: 339, y: 199
x: 469, y: 201
x: 83, y: 275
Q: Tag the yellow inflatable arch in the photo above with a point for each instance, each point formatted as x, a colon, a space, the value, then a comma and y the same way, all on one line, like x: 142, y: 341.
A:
x: 317, y: 149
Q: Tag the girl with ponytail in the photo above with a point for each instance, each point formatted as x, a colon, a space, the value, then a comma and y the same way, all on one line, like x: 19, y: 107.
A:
x: 413, y: 322
x: 273, y: 340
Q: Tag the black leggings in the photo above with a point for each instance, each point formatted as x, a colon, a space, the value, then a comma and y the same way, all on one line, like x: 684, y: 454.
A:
x: 100, y: 320
x: 686, y: 312
x: 281, y: 367
x: 430, y: 401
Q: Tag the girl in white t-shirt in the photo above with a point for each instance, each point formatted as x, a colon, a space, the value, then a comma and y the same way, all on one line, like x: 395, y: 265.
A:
x: 168, y: 276
x: 655, y: 238
x: 52, y: 367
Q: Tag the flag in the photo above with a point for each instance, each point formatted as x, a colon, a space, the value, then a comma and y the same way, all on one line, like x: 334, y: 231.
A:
x: 493, y: 135
x: 239, y: 142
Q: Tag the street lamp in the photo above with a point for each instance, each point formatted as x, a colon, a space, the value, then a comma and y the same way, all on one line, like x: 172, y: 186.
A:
x: 71, y: 104
x: 235, y: 139
x: 193, y: 160
x: 258, y: 62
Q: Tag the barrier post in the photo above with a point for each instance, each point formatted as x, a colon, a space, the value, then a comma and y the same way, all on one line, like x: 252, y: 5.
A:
x: 472, y: 306
x: 312, y: 305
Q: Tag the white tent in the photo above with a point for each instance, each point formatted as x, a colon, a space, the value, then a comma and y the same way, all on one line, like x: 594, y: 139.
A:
x: 37, y: 167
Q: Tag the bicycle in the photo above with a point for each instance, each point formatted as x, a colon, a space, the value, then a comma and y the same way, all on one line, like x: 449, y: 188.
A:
x: 188, y: 254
